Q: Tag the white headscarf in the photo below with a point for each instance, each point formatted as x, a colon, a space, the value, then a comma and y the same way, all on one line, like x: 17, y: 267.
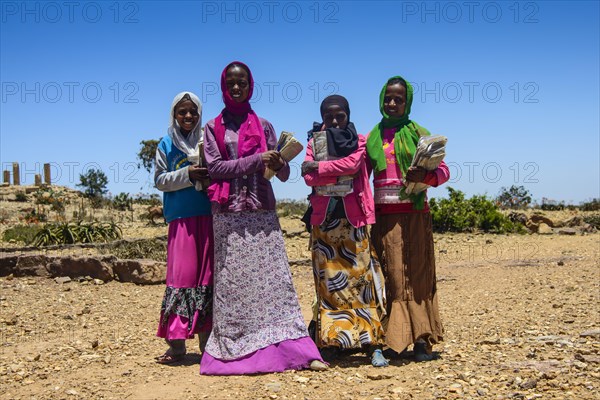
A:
x: 189, y: 144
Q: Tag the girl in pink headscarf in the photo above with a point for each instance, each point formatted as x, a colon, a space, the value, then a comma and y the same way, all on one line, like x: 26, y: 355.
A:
x: 257, y: 323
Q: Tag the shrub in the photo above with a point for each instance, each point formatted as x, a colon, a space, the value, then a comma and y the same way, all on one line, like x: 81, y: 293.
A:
x: 56, y: 199
x: 21, y: 197
x: 593, y: 220
x: 514, y: 197
x: 287, y: 207
x: 592, y: 205
x: 20, y: 233
x: 154, y: 249
x: 122, y: 202
x: 459, y: 214
x: 147, y: 199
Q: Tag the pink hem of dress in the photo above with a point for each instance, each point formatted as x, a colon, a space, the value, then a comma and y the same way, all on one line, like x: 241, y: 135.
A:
x: 293, y: 354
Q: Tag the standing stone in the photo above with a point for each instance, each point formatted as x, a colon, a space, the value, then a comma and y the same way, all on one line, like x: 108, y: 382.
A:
x: 38, y: 180
x: 16, y: 174
x: 6, y: 177
x: 47, y: 179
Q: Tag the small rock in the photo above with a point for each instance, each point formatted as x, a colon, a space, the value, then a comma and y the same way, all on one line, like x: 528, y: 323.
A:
x: 98, y: 282
x: 273, y: 386
x: 560, y: 263
x: 567, y: 231
x: 544, y: 229
x: 72, y: 392
x: 590, y: 333
x: 62, y: 279
x: 378, y: 377
x: 107, y: 359
x: 302, y: 379
x: 529, y: 384
x: 481, y: 392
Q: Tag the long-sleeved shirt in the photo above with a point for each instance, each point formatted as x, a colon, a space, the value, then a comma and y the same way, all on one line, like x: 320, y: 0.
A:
x: 248, y: 189
x: 390, y: 180
x: 180, y: 198
x: 358, y: 205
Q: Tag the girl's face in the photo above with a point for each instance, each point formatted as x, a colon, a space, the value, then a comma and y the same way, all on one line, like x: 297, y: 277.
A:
x: 186, y: 114
x: 335, y: 117
x: 394, y: 101
x: 238, y: 83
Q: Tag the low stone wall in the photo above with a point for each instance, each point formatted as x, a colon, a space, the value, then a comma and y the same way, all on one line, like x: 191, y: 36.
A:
x: 105, y: 268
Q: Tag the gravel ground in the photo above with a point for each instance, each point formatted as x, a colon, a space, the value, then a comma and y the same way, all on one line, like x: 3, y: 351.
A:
x: 521, y: 314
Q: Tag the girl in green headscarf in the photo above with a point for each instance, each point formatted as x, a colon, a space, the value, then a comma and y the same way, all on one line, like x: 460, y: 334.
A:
x: 402, y: 234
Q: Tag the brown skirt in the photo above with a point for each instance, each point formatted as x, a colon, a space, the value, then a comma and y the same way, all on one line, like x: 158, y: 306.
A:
x: 404, y: 244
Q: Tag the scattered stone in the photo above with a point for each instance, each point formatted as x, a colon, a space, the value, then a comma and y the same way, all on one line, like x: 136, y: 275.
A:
x: 378, y: 377
x: 544, y: 229
x: 273, y: 386
x: 529, y: 384
x: 567, y: 231
x: 590, y: 333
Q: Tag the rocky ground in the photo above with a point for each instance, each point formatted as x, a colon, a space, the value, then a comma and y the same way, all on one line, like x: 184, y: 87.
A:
x: 521, y: 312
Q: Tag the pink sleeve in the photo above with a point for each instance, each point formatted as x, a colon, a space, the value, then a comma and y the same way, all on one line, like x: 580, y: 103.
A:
x: 348, y: 165
x: 314, y: 178
x: 438, y: 176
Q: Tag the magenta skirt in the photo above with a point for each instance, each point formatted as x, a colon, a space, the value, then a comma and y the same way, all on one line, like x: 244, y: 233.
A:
x: 187, y: 303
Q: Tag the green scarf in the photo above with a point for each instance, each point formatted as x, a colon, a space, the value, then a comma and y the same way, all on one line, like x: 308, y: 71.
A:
x: 405, y: 141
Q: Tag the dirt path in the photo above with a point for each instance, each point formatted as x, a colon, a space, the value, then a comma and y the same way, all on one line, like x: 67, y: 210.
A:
x: 521, y: 316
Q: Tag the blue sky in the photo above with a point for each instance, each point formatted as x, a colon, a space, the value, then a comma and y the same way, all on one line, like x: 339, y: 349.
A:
x: 513, y: 85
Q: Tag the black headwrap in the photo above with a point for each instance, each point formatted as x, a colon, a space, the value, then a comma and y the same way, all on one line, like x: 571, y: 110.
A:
x: 340, y: 142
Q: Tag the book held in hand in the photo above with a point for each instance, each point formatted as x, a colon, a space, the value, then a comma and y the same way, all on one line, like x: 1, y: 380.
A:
x: 288, y: 147
x: 430, y: 152
x: 344, y: 184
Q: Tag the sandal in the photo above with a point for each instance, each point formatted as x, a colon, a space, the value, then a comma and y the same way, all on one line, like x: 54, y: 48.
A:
x: 378, y: 360
x: 423, y: 352
x: 317, y: 365
x: 168, y: 358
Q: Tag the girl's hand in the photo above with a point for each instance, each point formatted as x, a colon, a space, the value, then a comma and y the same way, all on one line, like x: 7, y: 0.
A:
x: 309, y: 166
x: 269, y: 157
x: 416, y: 174
x: 197, y: 173
x: 278, y: 163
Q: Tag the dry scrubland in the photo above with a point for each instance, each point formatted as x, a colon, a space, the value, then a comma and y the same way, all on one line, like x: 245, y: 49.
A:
x: 521, y: 314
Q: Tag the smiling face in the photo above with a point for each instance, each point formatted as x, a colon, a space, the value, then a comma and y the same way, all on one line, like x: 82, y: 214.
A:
x: 187, y: 116
x: 335, y: 117
x: 394, y: 101
x: 238, y: 83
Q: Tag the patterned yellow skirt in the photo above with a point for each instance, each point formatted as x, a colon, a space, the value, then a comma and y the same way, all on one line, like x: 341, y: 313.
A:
x: 350, y: 286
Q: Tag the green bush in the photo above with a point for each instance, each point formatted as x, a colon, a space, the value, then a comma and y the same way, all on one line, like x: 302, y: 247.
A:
x: 21, y: 197
x: 122, y: 202
x: 147, y: 199
x: 515, y: 197
x: 287, y: 207
x: 459, y: 214
x: 592, y: 205
x: 593, y: 220
x: 153, y: 249
x: 20, y: 233
x: 56, y: 199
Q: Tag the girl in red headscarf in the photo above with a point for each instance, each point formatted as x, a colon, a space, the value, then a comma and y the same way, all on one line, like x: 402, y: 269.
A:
x: 257, y: 323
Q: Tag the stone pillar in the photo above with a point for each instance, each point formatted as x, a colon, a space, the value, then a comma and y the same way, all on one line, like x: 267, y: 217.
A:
x: 16, y: 174
x: 6, y: 177
x: 47, y: 179
x: 38, y: 180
